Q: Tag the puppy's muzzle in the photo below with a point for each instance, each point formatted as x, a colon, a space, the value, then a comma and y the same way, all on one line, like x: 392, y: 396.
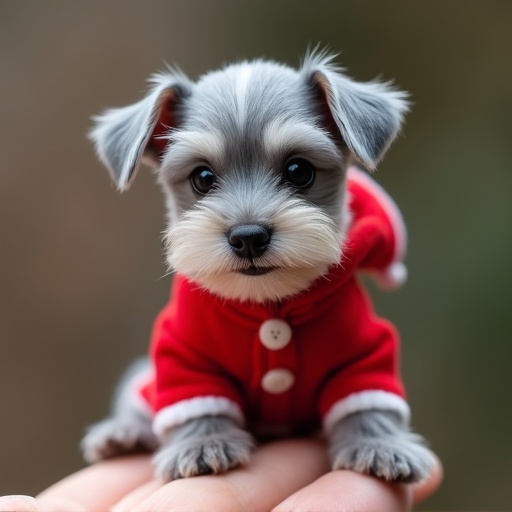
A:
x: 249, y: 240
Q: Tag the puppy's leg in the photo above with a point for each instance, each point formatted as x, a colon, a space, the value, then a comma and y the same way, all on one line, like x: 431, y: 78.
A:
x: 127, y: 428
x: 210, y: 444
x: 377, y: 443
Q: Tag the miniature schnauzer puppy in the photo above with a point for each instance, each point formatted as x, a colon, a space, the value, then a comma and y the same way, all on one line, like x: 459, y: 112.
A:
x: 253, y: 161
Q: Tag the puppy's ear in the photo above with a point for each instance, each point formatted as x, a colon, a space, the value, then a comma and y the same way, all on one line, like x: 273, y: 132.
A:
x: 365, y: 116
x: 126, y: 136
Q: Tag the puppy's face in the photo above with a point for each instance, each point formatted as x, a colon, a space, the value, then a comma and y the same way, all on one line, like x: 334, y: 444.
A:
x: 252, y: 159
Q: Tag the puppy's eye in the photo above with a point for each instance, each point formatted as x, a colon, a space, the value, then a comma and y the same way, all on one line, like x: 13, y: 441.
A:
x: 202, y: 179
x: 299, y: 172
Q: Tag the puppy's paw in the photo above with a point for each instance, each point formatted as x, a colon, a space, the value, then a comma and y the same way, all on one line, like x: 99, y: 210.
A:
x: 214, y: 453
x: 400, y: 459
x: 117, y: 435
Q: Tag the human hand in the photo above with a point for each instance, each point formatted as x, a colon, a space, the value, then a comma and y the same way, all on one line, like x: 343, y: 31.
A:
x: 288, y: 475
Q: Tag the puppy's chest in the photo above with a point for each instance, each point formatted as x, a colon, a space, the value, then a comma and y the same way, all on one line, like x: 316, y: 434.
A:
x: 286, y: 365
x: 278, y: 357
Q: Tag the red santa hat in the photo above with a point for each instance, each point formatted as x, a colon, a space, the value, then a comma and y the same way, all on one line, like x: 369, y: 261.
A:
x: 368, y: 199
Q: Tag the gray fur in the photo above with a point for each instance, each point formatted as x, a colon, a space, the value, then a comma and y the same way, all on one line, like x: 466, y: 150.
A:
x: 118, y: 435
x: 127, y: 428
x: 368, y: 115
x: 244, y: 122
x: 379, y: 444
x: 121, y: 135
x: 211, y: 444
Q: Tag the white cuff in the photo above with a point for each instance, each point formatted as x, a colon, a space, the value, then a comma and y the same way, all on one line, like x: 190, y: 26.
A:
x: 364, y: 401
x: 192, y: 408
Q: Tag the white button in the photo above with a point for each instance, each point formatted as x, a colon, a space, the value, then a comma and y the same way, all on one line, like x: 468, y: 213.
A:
x: 277, y: 381
x: 275, y: 334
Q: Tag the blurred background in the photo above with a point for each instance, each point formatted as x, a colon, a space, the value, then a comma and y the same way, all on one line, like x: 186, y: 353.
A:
x: 81, y: 265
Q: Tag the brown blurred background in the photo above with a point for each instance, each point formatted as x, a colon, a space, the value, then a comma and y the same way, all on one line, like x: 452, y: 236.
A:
x: 80, y: 265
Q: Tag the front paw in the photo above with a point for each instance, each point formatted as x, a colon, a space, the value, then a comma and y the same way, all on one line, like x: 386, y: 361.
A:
x: 117, y: 435
x: 399, y: 459
x: 213, y: 453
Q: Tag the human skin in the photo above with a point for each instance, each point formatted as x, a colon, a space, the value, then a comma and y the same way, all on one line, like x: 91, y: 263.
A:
x: 289, y: 475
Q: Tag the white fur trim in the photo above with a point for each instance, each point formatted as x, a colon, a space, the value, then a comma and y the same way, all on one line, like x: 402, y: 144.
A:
x: 393, y: 277
x: 192, y: 408
x: 396, y: 274
x: 364, y: 401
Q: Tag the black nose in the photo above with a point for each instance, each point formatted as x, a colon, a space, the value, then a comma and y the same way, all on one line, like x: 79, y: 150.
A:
x: 249, y: 240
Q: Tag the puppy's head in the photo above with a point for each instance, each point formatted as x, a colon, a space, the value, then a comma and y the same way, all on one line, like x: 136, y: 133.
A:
x: 252, y: 159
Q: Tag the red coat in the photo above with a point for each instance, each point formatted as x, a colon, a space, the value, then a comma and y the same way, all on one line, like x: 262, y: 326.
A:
x: 288, y: 366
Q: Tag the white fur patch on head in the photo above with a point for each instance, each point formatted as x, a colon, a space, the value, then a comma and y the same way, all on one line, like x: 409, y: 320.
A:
x: 243, y: 76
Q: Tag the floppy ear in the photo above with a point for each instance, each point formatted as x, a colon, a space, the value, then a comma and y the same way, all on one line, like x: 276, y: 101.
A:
x: 365, y: 116
x: 126, y: 136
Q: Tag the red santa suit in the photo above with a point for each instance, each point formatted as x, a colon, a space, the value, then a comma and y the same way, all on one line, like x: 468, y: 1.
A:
x: 290, y: 366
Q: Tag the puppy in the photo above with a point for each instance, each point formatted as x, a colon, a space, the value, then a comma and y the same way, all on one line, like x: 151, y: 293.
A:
x: 268, y: 327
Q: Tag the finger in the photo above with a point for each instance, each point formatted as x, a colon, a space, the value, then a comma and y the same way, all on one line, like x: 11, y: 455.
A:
x: 350, y: 492
x: 22, y: 503
x: 422, y: 490
x: 276, y: 471
x: 137, y: 496
x: 97, y: 487
x: 19, y: 503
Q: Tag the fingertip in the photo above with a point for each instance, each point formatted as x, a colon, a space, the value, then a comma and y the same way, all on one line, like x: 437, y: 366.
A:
x: 19, y: 503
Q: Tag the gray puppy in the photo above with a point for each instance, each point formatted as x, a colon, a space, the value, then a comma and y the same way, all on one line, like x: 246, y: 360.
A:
x: 253, y: 161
